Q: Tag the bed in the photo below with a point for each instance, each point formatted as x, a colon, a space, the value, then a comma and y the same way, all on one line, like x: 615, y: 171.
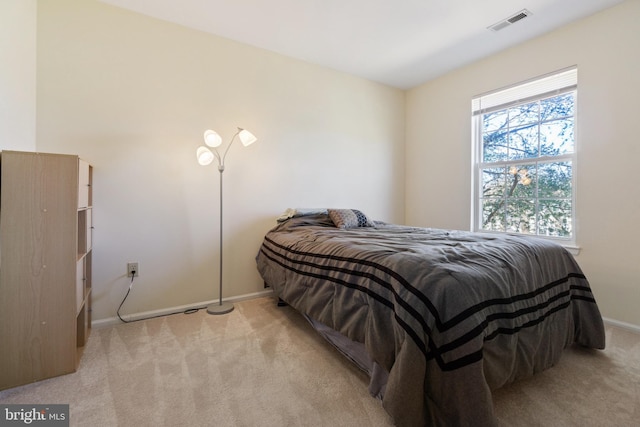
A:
x: 437, y: 318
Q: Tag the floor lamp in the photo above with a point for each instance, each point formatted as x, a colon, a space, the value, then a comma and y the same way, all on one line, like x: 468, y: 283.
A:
x: 205, y: 157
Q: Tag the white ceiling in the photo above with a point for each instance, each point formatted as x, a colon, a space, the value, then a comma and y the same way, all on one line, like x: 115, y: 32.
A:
x: 401, y: 43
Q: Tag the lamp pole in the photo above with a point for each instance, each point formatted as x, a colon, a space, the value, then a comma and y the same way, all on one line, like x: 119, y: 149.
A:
x: 205, y: 156
x: 221, y: 307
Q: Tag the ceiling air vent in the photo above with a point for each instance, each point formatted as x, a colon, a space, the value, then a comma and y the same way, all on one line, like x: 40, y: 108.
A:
x: 510, y: 20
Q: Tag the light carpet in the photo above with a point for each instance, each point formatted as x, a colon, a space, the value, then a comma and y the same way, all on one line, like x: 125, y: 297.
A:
x: 263, y: 365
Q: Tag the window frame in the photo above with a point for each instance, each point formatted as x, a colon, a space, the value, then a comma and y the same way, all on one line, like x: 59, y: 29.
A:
x: 536, y: 89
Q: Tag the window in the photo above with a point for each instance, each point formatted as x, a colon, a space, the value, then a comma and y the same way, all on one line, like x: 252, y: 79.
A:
x: 524, y: 158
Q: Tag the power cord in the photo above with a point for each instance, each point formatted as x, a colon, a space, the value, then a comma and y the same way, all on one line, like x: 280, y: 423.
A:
x: 133, y: 274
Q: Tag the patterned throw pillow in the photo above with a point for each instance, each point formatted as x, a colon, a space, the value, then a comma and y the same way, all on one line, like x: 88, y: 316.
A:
x: 349, y: 218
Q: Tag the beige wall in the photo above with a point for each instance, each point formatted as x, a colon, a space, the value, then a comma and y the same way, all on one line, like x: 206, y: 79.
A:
x: 133, y: 95
x: 18, y: 75
x: 606, y: 49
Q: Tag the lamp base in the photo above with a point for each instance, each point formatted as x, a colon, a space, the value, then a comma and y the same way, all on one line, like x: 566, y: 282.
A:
x: 217, y: 308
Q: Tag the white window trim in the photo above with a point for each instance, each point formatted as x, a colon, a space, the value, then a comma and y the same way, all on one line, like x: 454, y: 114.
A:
x: 548, y: 85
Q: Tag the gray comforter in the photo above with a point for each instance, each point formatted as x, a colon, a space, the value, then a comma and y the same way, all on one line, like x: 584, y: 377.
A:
x: 449, y: 315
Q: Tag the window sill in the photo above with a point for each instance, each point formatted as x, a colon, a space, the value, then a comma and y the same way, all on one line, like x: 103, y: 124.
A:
x: 568, y: 245
x: 573, y: 250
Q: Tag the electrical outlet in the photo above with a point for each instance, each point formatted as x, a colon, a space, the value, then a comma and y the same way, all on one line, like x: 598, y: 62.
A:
x: 132, y: 269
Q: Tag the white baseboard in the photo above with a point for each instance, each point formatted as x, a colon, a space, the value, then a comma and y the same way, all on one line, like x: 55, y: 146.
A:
x: 174, y: 310
x: 623, y: 325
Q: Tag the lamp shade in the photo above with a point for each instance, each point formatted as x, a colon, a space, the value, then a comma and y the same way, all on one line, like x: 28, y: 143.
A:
x: 246, y: 137
x: 212, y: 139
x: 204, y: 155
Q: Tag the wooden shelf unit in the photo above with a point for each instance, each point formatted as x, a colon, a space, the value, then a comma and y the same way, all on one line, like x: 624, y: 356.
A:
x: 46, y: 236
